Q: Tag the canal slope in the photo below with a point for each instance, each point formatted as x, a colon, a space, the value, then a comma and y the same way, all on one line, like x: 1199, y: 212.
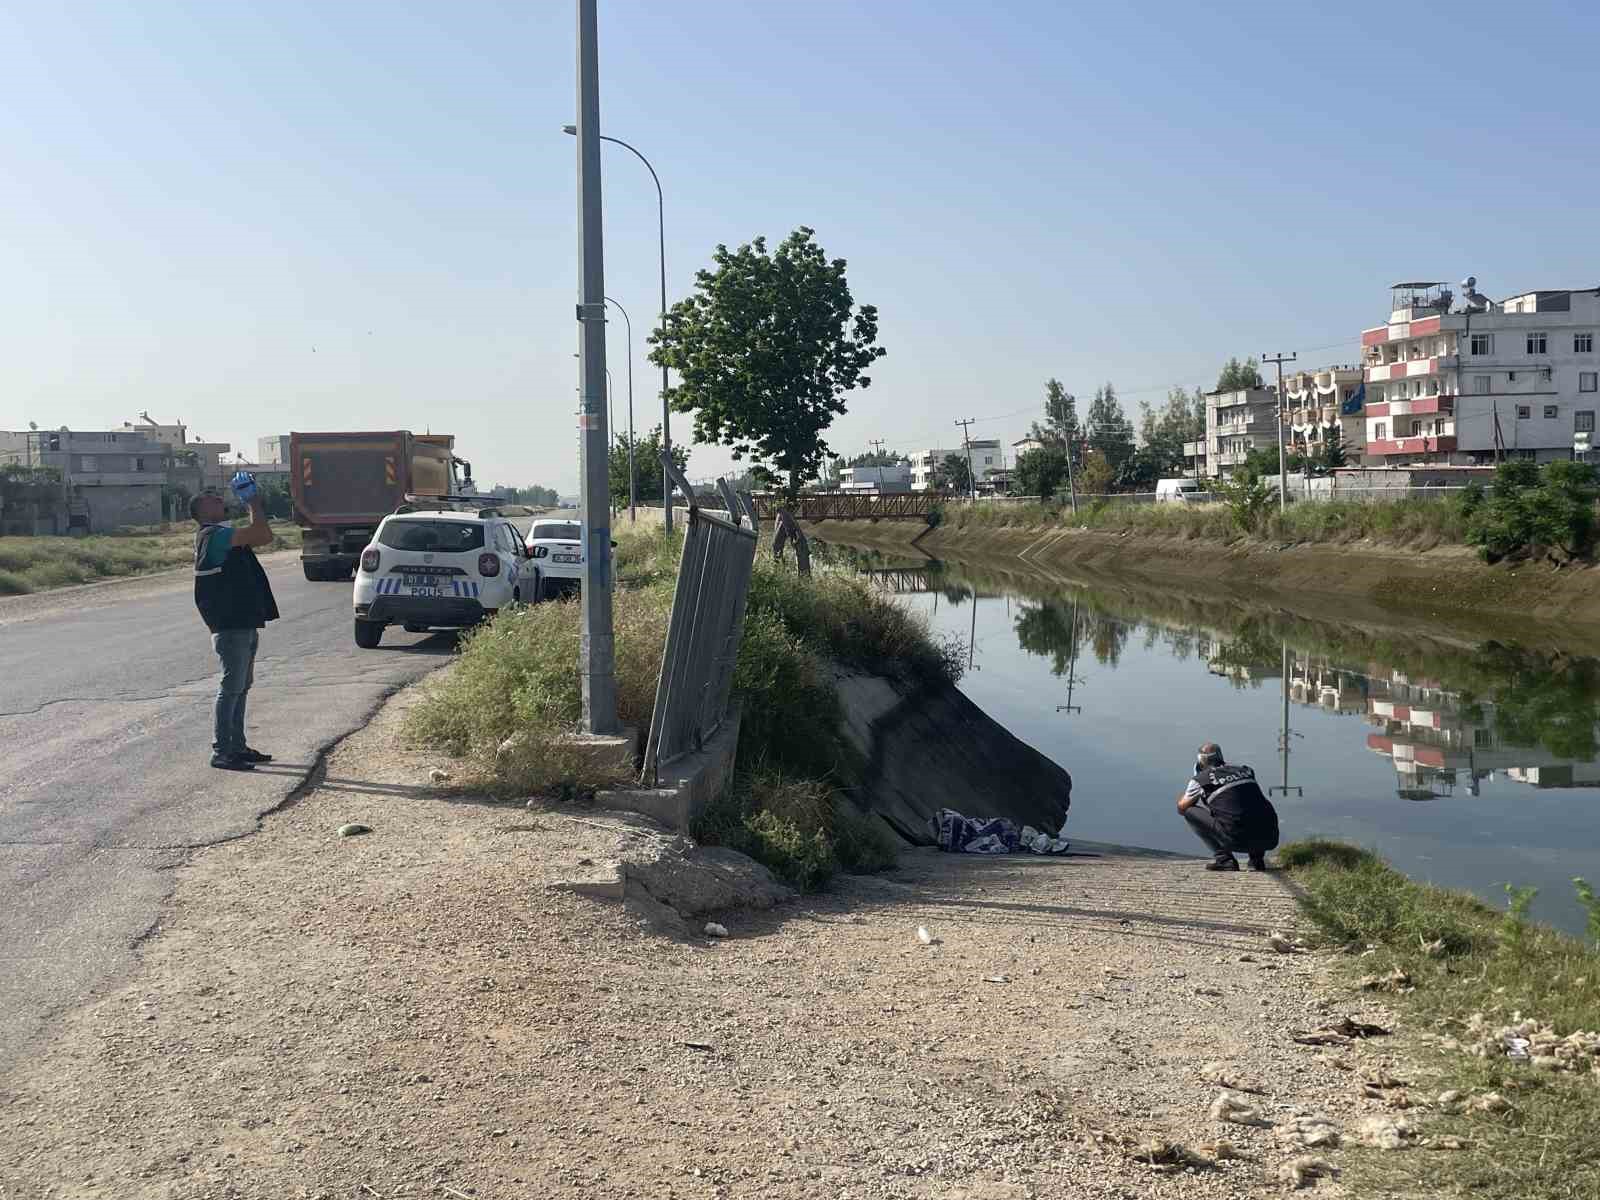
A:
x: 1447, y: 582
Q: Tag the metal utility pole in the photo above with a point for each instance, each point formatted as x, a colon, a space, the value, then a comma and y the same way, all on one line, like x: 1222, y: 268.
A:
x: 1072, y: 486
x: 633, y: 475
x: 972, y: 480
x: 661, y: 246
x: 597, y: 647
x: 1072, y: 667
x: 877, y: 447
x: 1283, y: 463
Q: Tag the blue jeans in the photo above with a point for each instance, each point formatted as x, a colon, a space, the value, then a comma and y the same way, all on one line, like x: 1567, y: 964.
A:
x: 237, y: 650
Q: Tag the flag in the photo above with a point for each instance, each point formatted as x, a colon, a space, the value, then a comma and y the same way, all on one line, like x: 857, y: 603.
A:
x: 1354, y: 402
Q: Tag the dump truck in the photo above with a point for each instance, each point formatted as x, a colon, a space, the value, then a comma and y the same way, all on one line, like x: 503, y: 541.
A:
x: 343, y: 484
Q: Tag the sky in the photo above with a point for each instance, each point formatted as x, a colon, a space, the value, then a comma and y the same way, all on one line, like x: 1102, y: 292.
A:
x: 264, y: 217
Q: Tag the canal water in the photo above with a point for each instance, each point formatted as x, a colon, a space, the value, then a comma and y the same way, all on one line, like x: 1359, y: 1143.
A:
x: 1467, y: 762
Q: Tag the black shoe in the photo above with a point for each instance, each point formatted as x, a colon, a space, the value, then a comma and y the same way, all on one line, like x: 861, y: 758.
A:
x: 254, y: 756
x: 1223, y: 864
x: 232, y: 762
x: 1258, y: 862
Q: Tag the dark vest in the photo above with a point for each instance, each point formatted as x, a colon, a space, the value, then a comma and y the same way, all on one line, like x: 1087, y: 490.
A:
x: 1236, y: 801
x: 235, y: 595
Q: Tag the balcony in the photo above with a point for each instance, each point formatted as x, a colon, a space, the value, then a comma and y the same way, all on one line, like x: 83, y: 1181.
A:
x: 1427, y: 444
x: 1414, y: 406
x: 1404, y: 369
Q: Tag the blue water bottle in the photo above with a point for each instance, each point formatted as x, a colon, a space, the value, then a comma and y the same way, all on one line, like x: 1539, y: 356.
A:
x: 244, y: 486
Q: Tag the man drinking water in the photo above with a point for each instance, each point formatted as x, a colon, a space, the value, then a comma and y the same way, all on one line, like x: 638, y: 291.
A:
x: 235, y: 601
x: 1227, y: 810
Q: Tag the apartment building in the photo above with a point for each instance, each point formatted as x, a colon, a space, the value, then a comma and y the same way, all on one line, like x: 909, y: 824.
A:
x: 893, y: 477
x: 115, y: 478
x: 273, y: 449
x: 927, y: 466
x: 1237, y: 423
x: 1483, y: 379
x: 1317, y: 402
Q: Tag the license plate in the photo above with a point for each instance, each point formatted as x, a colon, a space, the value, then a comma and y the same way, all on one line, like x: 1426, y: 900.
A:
x: 425, y: 589
x: 567, y: 558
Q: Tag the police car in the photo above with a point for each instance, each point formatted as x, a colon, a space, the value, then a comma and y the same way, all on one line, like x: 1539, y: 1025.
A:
x: 439, y: 568
x: 556, y: 550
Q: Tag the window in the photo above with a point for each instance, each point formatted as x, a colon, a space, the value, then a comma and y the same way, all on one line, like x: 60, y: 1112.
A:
x: 1380, y: 431
x: 1583, y: 421
x: 88, y: 462
x: 1524, y: 411
x: 1586, y: 380
x: 1482, y: 343
x: 1416, y: 429
x: 1583, y: 343
x: 1536, y: 343
x: 138, y: 464
x: 449, y: 537
x: 1480, y: 384
x: 1549, y: 412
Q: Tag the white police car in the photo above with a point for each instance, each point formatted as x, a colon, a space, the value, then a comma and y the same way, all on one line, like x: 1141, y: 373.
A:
x: 440, y: 569
x: 556, y: 550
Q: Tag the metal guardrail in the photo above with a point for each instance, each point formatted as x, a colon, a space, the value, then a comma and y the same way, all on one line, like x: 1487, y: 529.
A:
x: 705, y: 628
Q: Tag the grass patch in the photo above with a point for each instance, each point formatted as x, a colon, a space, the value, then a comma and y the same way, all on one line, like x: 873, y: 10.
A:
x: 1474, y: 969
x: 512, y: 701
x: 41, y: 564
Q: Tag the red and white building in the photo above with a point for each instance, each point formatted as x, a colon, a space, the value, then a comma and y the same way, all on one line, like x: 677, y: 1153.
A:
x: 1474, y: 382
x: 1315, y: 403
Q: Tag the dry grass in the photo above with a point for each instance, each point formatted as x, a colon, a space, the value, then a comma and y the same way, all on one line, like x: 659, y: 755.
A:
x: 41, y: 564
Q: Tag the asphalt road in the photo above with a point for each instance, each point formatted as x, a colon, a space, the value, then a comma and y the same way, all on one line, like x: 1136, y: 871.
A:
x: 105, y: 787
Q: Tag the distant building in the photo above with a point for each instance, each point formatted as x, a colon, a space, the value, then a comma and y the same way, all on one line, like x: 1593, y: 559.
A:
x: 273, y: 449
x: 1319, y: 401
x: 927, y: 466
x: 206, y: 456
x: 115, y: 479
x: 1022, y: 445
x: 1469, y: 383
x: 1237, y: 423
x: 892, y: 477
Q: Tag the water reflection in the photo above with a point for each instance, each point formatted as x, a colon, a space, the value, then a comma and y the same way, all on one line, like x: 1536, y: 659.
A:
x: 1118, y: 684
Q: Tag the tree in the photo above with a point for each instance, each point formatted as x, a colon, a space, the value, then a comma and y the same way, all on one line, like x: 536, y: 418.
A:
x: 955, y: 474
x: 766, y: 350
x: 646, y: 464
x: 1262, y: 463
x: 1333, y: 455
x: 872, y: 459
x: 1095, y: 476
x: 533, y: 496
x: 1060, y: 427
x: 1041, y: 472
x: 1109, y: 431
x: 1236, y: 375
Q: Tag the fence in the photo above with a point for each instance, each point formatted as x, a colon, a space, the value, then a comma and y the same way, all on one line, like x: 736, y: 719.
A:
x: 1299, y: 489
x: 707, y: 622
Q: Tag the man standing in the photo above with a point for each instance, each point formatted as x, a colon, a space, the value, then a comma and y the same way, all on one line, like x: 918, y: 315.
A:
x: 1225, y: 807
x: 235, y: 601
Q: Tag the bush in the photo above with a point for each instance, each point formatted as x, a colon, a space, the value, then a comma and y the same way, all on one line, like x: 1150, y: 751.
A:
x: 1248, y: 498
x: 1529, y: 510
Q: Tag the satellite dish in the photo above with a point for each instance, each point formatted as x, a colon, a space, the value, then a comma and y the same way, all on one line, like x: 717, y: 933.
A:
x: 33, y: 425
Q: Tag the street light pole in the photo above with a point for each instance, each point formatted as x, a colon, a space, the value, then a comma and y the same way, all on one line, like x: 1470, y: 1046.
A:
x: 661, y: 248
x: 597, y: 646
x: 633, y: 478
x: 1283, y: 463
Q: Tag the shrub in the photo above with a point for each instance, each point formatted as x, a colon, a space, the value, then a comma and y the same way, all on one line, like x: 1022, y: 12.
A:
x: 1248, y: 498
x: 1529, y: 509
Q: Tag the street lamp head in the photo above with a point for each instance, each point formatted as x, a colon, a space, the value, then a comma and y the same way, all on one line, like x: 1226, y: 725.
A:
x: 572, y: 129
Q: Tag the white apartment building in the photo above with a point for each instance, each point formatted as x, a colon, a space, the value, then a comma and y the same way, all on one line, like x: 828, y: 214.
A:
x: 1237, y: 423
x: 1318, y: 401
x: 892, y: 477
x: 1466, y: 383
x: 926, y: 465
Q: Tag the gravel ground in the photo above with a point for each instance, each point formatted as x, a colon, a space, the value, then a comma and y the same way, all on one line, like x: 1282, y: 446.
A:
x: 417, y: 1011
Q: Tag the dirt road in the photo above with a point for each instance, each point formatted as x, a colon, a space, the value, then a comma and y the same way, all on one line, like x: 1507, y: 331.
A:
x: 415, y: 1011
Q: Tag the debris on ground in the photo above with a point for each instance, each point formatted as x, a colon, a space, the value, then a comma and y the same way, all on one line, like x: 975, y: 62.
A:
x: 1313, y: 1132
x: 1224, y: 1076
x: 1396, y: 981
x: 1282, y: 944
x: 1305, y: 1171
x: 1490, y: 1102
x: 926, y: 938
x: 1534, y: 1043
x: 354, y: 829
x: 1158, y: 1152
x: 715, y: 930
x: 1235, y: 1110
x: 1340, y: 1033
x: 439, y: 775
x: 1383, y: 1133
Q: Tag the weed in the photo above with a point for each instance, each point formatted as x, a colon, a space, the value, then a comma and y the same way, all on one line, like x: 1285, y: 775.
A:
x: 1591, y: 908
x: 1513, y: 930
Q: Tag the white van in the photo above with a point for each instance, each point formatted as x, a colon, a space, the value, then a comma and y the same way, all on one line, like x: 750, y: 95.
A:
x: 1177, y: 491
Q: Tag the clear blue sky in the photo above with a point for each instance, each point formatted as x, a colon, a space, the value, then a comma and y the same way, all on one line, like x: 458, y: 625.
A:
x: 259, y: 217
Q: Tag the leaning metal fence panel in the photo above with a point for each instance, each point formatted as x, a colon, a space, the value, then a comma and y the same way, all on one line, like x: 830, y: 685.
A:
x: 703, y: 634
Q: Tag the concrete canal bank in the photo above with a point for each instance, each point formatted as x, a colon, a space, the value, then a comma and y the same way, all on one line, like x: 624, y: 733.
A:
x: 1448, y: 581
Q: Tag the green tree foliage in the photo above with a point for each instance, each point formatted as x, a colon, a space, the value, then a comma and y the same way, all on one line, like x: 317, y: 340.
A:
x: 1530, y: 510
x: 275, y: 499
x: 1163, y: 432
x: 647, y: 465
x: 1041, y: 472
x: 1060, y: 424
x: 534, y: 496
x: 955, y: 474
x: 1249, y: 498
x: 1262, y: 463
x: 1109, y: 431
x: 766, y: 351
x: 1237, y: 375
x: 887, y: 458
x: 1333, y: 455
x: 1095, y: 476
